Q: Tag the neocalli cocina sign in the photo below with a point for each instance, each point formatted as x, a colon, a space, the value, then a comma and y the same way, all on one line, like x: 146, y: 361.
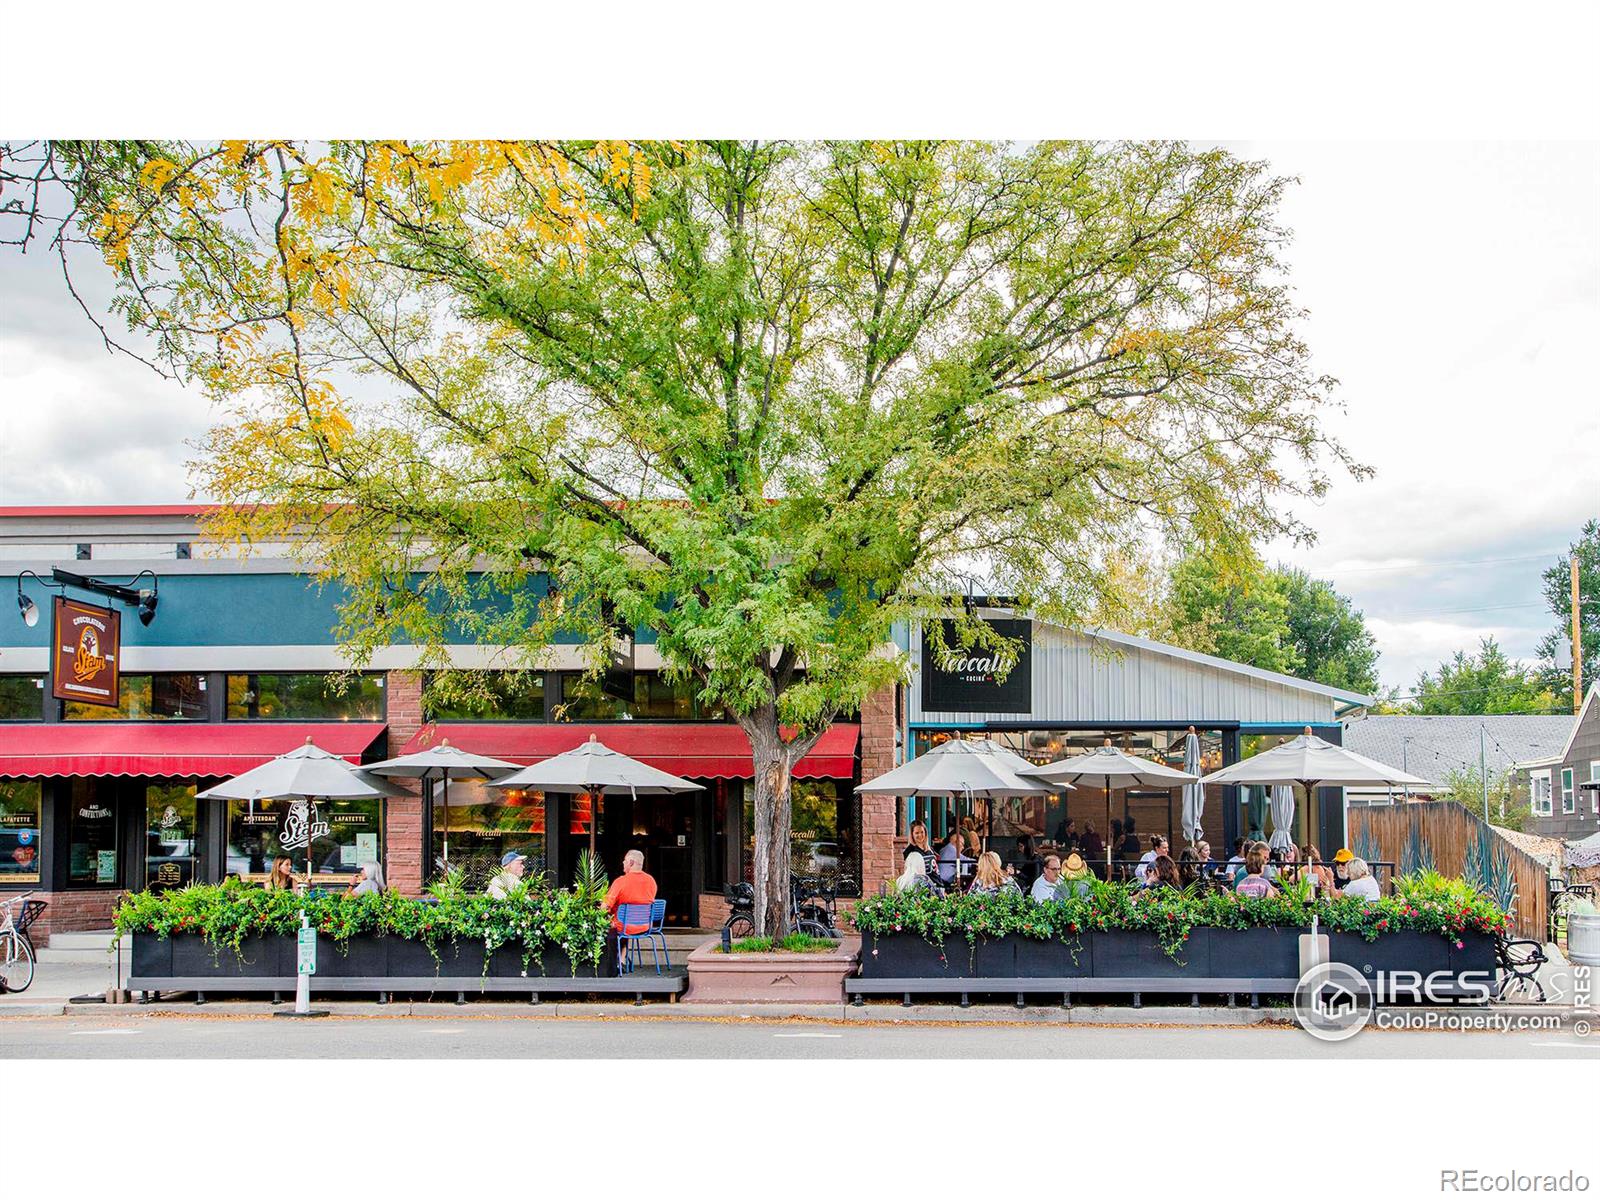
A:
x: 970, y: 681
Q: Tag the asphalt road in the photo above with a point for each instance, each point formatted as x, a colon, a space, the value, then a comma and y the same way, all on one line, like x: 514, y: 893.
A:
x: 513, y: 1037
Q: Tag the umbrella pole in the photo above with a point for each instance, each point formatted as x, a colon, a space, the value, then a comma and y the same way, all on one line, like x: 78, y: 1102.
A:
x: 445, y: 775
x: 594, y: 819
x: 1108, y: 827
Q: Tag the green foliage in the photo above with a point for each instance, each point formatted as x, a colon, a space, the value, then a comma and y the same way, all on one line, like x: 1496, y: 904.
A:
x: 1479, y: 684
x: 532, y: 918
x: 794, y: 943
x: 589, y: 880
x: 1329, y: 635
x: 1429, y: 903
x: 1556, y: 583
x: 1488, y: 867
x: 1507, y: 806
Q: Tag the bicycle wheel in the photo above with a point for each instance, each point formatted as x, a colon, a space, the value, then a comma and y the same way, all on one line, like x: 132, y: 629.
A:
x: 814, y: 929
x: 740, y: 926
x: 16, y: 963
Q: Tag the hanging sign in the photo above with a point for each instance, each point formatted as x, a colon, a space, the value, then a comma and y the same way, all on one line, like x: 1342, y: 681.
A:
x: 971, y: 681
x: 85, y: 653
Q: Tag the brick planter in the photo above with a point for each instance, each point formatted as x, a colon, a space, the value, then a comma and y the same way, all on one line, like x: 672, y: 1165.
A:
x: 718, y: 978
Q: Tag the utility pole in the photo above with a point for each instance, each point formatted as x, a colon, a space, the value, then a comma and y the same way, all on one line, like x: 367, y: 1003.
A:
x: 1483, y: 773
x: 1577, y: 643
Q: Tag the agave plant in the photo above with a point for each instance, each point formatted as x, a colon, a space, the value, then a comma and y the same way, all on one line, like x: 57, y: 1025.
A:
x: 589, y: 880
x: 1366, y: 846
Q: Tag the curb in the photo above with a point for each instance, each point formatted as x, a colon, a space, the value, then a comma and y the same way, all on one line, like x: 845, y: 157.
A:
x: 31, y: 1010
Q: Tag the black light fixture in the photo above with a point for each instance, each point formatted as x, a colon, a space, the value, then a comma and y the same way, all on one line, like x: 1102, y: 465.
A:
x: 25, y: 602
x: 143, y: 599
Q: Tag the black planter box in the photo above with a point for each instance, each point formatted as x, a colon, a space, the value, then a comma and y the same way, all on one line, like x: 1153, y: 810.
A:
x: 907, y: 956
x: 1405, y: 950
x: 259, y: 957
x: 1128, y: 954
x: 152, y: 956
x: 1053, y: 959
x: 409, y: 959
x: 363, y: 957
x: 1252, y: 953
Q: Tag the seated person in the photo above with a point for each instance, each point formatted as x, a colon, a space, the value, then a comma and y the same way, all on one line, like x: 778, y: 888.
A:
x: 512, y: 865
x: 915, y: 876
x: 1044, y: 887
x: 633, y: 886
x: 368, y: 880
x: 1255, y: 883
x: 1163, y: 872
x: 1361, y: 883
x: 1074, y: 877
x: 991, y: 877
x: 1158, y: 846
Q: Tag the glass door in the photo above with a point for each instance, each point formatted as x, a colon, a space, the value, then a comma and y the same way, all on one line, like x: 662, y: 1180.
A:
x: 171, y: 845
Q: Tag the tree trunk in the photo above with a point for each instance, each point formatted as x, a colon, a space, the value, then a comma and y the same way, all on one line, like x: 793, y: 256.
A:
x: 770, y: 788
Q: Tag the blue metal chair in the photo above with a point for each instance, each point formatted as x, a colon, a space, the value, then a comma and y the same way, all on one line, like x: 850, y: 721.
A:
x: 658, y: 916
x: 635, y: 916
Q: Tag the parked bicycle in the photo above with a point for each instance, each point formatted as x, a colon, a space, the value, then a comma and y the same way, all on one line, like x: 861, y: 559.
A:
x: 812, y: 909
x: 741, y: 922
x: 16, y: 947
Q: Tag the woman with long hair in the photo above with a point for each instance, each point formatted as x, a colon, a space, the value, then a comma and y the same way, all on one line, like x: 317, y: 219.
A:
x: 991, y: 877
x: 1164, y: 873
x: 281, y: 876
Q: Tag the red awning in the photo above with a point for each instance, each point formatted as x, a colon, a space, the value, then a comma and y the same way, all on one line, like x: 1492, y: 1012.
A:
x: 698, y: 751
x: 174, y: 750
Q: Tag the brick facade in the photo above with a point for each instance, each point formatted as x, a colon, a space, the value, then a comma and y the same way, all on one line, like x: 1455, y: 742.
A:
x: 880, y: 834
x: 404, y: 852
x: 74, y: 912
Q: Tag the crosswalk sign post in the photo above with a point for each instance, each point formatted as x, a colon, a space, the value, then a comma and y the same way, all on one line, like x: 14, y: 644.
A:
x: 305, y: 968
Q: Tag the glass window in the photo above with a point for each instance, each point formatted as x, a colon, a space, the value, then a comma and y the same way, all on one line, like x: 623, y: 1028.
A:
x: 1539, y: 792
x: 482, y: 823
x: 305, y: 696
x: 343, y: 833
x: 92, y: 836
x: 654, y: 699
x: 511, y: 696
x: 21, y: 697
x: 169, y: 838
x: 1568, y: 799
x: 823, y: 838
x: 19, y: 831
x: 148, y: 698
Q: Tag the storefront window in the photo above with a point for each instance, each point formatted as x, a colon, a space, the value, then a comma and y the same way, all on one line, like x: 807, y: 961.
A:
x: 516, y: 696
x: 482, y: 824
x: 148, y: 698
x: 1255, y: 803
x: 21, y: 697
x: 344, y: 834
x: 655, y: 698
x: 92, y: 836
x: 169, y: 839
x: 824, y: 840
x: 1006, y: 825
x: 306, y: 696
x: 19, y: 831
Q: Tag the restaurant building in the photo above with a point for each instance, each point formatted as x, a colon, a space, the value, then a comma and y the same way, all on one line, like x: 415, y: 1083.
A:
x: 238, y: 662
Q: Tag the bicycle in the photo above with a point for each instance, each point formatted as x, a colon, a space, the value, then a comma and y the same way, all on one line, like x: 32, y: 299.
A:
x: 741, y: 922
x: 16, y: 947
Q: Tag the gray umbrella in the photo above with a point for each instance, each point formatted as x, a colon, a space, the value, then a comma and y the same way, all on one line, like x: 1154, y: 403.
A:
x: 1194, y: 794
x: 1111, y: 768
x: 441, y: 762
x: 594, y: 769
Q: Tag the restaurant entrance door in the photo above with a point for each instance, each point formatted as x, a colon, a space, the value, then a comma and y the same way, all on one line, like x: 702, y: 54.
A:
x: 660, y: 826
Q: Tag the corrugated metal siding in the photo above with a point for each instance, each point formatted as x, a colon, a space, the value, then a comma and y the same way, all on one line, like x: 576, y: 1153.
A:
x: 1080, y: 679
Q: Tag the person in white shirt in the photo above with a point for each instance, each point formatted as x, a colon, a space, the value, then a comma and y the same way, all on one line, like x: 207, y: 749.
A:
x: 1361, y: 883
x: 1158, y: 847
x: 512, y: 865
x: 915, y: 876
x: 1044, y: 887
x: 370, y: 880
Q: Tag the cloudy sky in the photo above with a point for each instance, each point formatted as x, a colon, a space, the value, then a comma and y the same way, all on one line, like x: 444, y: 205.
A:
x: 1453, y: 289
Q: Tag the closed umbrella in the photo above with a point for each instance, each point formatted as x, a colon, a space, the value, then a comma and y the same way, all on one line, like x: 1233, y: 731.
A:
x: 1281, y: 804
x: 304, y: 775
x: 1309, y: 762
x: 1194, y: 794
x: 441, y: 762
x: 1111, y: 768
x: 594, y: 769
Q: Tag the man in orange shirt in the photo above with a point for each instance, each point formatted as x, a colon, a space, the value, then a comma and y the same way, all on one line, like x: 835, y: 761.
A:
x: 633, y: 886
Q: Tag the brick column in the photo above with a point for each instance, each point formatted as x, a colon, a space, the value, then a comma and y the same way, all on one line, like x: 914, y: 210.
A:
x: 404, y: 853
x: 879, y: 848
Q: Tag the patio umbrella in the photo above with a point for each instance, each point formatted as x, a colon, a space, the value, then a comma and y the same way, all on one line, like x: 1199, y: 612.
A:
x: 1281, y: 804
x: 304, y: 775
x: 594, y: 769
x: 1111, y: 768
x: 1018, y: 765
x: 1309, y: 762
x: 440, y: 762
x: 1194, y: 794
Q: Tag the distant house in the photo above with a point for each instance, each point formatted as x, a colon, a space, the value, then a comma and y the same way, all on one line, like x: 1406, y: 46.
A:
x: 1437, y: 748
x: 1563, y: 785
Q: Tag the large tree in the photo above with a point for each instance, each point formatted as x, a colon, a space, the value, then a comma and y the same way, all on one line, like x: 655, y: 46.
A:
x: 1556, y: 585
x: 758, y: 399
x: 1479, y: 684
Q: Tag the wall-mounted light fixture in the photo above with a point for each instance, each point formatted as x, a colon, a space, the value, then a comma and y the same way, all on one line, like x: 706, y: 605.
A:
x: 144, y: 599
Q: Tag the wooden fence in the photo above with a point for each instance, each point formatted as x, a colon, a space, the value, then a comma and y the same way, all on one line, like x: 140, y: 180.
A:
x: 1446, y: 829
